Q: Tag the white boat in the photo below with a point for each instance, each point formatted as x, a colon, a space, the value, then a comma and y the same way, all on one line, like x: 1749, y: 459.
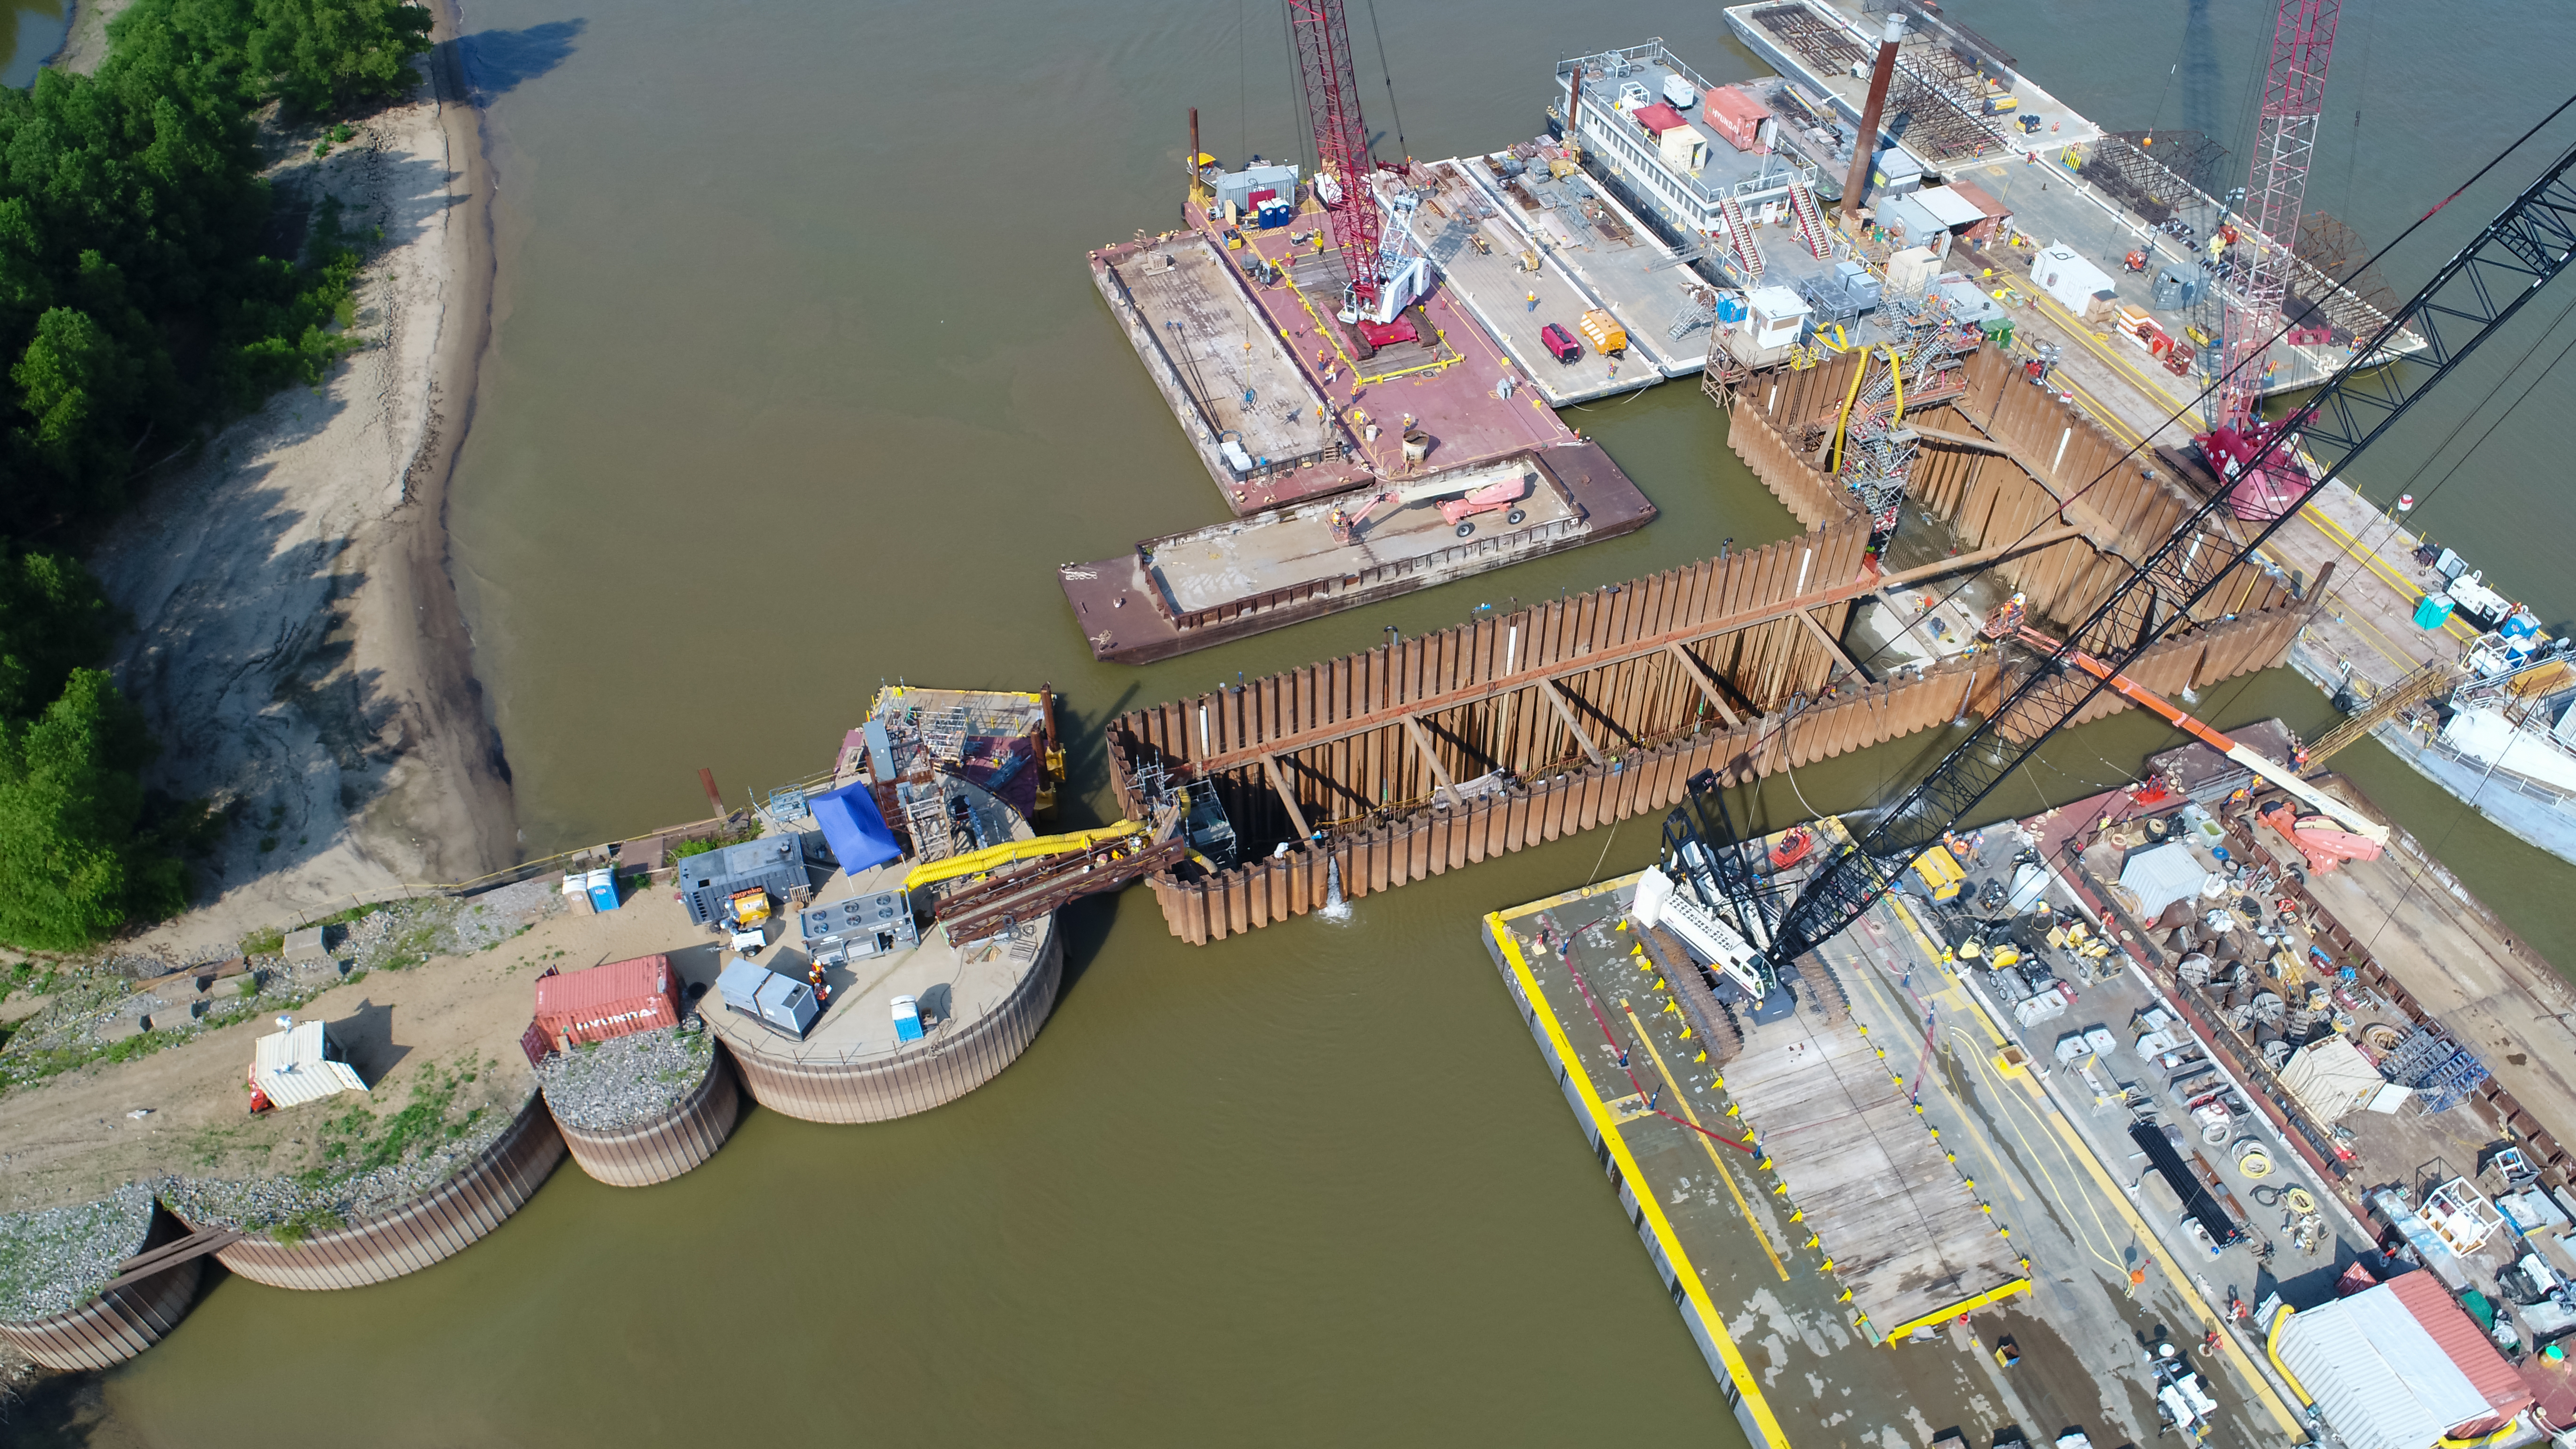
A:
x: 2504, y: 741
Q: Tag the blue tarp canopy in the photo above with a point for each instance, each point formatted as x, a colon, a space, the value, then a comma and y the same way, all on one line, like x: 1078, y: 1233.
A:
x: 855, y: 829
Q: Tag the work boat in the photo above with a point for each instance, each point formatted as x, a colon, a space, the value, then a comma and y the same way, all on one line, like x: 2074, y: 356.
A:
x: 2504, y: 738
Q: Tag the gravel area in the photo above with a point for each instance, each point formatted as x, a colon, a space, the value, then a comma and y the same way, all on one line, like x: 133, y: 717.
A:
x: 316, y: 1200
x: 628, y: 1081
x: 56, y: 1260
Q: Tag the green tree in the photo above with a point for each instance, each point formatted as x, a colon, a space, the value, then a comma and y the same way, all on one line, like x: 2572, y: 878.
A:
x: 326, y: 55
x: 53, y: 620
x: 72, y: 869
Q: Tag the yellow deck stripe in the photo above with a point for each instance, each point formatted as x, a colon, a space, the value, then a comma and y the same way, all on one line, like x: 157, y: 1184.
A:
x: 1707, y: 1146
x: 1738, y: 1371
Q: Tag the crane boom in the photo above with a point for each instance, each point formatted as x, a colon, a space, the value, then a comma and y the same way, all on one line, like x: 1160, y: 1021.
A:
x: 1342, y: 165
x: 2476, y: 292
x: 2273, y: 770
x: 2276, y: 188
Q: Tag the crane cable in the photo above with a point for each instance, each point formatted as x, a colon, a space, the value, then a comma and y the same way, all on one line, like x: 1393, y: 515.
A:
x: 2205, y: 393
x: 1387, y: 71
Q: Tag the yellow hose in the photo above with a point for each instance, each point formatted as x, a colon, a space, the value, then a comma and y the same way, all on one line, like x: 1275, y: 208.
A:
x: 993, y: 857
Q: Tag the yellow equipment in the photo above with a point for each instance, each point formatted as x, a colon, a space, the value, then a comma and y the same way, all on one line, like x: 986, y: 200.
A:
x: 1604, y: 330
x: 749, y: 908
x: 994, y: 857
x: 1941, y: 872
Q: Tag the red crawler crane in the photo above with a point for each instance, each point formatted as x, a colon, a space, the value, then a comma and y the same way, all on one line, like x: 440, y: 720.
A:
x: 2285, y: 140
x: 1341, y: 138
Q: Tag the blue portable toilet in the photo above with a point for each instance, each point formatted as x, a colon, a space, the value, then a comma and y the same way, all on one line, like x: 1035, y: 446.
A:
x: 907, y: 1018
x: 1730, y: 306
x: 602, y: 885
x: 2432, y: 611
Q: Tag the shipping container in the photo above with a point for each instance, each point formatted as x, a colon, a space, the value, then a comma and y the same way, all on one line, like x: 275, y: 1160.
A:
x: 618, y: 999
x: 1736, y: 118
x: 787, y: 1004
x: 1683, y: 148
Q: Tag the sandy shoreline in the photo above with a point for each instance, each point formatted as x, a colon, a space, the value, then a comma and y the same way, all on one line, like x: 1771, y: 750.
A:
x: 299, y: 646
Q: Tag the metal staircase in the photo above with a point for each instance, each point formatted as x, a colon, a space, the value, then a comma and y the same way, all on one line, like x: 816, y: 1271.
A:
x: 1739, y: 239
x: 1698, y: 310
x: 1811, y: 220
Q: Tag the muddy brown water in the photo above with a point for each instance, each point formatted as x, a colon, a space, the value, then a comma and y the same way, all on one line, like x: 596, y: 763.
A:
x: 797, y: 384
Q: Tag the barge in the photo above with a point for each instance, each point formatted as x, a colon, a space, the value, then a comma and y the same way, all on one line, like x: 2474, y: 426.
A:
x: 1230, y: 580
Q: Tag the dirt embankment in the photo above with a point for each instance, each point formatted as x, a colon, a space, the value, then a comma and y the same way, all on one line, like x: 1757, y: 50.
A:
x: 298, y: 645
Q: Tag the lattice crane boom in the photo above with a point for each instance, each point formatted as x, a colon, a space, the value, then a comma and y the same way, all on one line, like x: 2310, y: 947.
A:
x: 2528, y: 244
x: 1331, y: 86
x: 2276, y: 188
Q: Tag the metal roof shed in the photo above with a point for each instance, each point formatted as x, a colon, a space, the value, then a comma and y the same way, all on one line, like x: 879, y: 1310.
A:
x: 2162, y: 875
x: 2380, y: 1377
x: 2331, y: 1077
x: 2467, y: 1347
x: 1949, y: 207
x: 297, y: 1065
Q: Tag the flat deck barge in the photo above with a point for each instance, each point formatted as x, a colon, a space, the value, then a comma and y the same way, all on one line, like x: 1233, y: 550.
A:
x: 1229, y: 580
x: 1801, y: 1209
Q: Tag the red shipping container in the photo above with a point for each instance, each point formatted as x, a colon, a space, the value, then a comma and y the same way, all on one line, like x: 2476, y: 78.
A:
x: 2467, y: 1346
x: 618, y: 999
x: 1736, y: 117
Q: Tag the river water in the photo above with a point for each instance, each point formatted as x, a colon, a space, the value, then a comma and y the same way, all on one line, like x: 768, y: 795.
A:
x: 798, y: 384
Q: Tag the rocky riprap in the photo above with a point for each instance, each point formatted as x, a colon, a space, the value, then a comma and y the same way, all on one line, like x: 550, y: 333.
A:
x: 56, y: 1260
x: 627, y: 1081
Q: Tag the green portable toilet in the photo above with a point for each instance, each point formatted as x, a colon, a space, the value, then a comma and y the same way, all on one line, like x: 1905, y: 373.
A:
x: 2432, y: 611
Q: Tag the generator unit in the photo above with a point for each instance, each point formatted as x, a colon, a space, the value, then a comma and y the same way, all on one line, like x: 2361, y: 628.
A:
x: 857, y: 928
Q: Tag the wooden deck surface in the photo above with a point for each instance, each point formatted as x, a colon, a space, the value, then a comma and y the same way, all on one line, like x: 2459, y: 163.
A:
x: 1906, y: 1235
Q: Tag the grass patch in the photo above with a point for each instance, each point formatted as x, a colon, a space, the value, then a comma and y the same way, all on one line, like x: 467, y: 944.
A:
x: 269, y: 942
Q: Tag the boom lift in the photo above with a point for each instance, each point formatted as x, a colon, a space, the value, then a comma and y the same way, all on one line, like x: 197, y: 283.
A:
x: 2526, y: 246
x: 1460, y: 500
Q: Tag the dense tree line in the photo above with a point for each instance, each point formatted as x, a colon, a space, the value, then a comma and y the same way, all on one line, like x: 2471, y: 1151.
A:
x: 138, y: 307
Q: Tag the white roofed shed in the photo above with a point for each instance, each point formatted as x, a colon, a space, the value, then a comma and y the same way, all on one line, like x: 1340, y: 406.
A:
x: 2380, y: 1377
x: 299, y: 1065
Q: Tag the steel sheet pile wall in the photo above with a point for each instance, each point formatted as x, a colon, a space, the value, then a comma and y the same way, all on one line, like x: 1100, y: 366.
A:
x: 932, y: 1074
x: 1343, y: 732
x: 438, y: 1225
x: 119, y: 1323
x: 1436, y: 839
x: 660, y: 1151
x: 2090, y: 479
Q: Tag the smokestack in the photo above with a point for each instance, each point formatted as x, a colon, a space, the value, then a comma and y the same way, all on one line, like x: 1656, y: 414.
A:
x: 1865, y: 145
x: 1194, y: 143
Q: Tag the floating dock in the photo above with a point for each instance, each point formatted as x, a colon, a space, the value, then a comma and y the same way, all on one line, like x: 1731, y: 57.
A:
x: 1230, y: 580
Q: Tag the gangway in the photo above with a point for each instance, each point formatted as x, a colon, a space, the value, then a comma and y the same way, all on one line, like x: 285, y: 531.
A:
x: 1739, y: 240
